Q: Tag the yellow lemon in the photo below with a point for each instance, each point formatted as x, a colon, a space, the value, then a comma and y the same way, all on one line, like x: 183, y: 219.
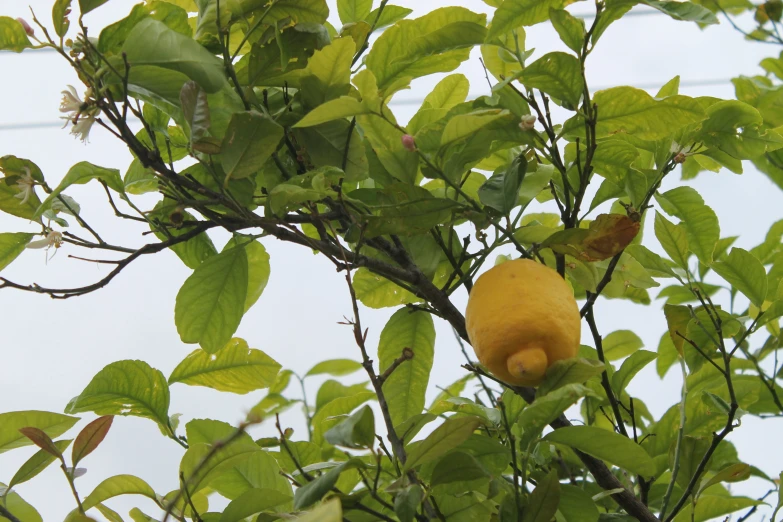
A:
x: 521, y: 318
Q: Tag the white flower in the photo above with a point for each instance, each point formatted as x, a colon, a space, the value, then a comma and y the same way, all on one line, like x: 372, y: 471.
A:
x: 82, y: 127
x: 25, y: 185
x: 80, y: 113
x: 527, y: 122
x: 71, y: 103
x: 52, y: 239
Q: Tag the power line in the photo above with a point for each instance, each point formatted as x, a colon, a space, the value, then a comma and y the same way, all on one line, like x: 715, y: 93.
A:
x: 21, y: 126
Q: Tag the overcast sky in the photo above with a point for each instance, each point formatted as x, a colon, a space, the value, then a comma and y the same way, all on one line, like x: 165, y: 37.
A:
x: 51, y: 349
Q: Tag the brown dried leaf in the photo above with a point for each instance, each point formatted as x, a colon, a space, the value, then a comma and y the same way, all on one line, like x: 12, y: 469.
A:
x: 608, y: 235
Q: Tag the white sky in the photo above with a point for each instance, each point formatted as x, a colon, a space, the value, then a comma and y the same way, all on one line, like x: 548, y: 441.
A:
x: 51, y: 349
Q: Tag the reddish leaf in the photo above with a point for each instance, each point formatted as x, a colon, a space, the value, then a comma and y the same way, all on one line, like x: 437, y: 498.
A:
x: 41, y: 440
x: 90, y: 437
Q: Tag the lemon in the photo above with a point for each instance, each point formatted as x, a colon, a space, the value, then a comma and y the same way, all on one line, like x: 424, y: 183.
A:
x: 521, y: 318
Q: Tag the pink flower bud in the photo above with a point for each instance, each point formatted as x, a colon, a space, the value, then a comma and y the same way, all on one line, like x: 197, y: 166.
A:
x: 409, y: 143
x: 527, y: 122
x: 27, y: 28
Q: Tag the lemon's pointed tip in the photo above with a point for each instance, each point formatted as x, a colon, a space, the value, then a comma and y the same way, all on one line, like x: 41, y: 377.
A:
x: 528, y: 365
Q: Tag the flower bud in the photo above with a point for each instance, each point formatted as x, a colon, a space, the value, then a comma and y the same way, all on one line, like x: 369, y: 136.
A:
x: 680, y: 158
x: 527, y: 122
x: 409, y: 143
x: 27, y: 28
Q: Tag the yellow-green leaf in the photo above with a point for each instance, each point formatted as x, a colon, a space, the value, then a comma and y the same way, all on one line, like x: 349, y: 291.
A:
x: 235, y: 368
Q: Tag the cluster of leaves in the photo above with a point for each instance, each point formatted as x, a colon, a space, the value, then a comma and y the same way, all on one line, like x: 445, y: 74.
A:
x: 261, y: 118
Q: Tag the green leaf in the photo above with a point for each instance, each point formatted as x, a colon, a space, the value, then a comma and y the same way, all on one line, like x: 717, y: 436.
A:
x: 327, y: 416
x: 407, y: 384
x: 11, y: 204
x: 606, y: 445
x: 576, y: 505
x: 37, y: 463
x: 314, y: 491
x: 731, y: 473
x: 12, y: 35
x: 139, y: 180
x: 613, y: 159
x: 711, y: 507
x: 673, y: 239
x: 250, y: 140
x: 670, y: 88
x: 456, y: 35
x: 633, y: 111
x: 779, y: 505
x: 235, y: 368
x: 336, y: 367
x: 53, y: 424
x: 745, y: 273
x: 396, y: 56
x: 109, y: 514
x: 192, y: 252
x: 652, y: 262
x: 330, y: 68
x: 390, y: 15
x: 85, y: 6
x: 700, y: 222
x: 457, y: 466
x: 546, y: 409
x: 211, y: 302
x: 116, y: 486
x: 11, y: 245
x: 258, y: 268
x: 251, y: 502
x: 21, y: 509
x: 352, y: 11
x: 126, y: 388
x: 463, y: 126
x: 667, y: 355
x: 330, y: 511
x: 59, y: 18
x: 407, y: 502
x: 720, y: 130
x: 543, y: 501
x: 153, y: 43
x: 374, y: 291
x: 113, y: 36
x: 515, y: 13
x: 686, y: 11
x: 570, y: 28
x: 630, y: 367
x: 340, y: 108
x: 260, y: 470
x: 569, y: 371
x: 557, y: 74
x: 326, y: 143
x: 201, y: 464
x: 355, y: 432
x: 332, y: 389
x: 80, y: 174
x: 450, y: 91
x: 453, y: 432
x: 501, y: 191
x: 620, y: 344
